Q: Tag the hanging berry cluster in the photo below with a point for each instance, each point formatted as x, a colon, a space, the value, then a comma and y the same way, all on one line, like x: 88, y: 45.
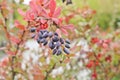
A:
x: 53, y: 40
x: 42, y: 16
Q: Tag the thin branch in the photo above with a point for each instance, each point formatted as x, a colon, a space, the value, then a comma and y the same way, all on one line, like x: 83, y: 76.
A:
x: 48, y: 72
x: 5, y: 27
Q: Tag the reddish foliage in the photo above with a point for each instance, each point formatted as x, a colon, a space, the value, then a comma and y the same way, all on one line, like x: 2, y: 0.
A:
x: 90, y: 64
x: 108, y: 58
x: 94, y: 40
x: 94, y: 75
x: 18, y: 25
x: 14, y: 39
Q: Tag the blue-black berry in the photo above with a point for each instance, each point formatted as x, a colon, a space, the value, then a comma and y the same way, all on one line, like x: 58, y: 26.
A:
x: 67, y: 41
x: 32, y: 29
x: 67, y: 46
x: 66, y: 50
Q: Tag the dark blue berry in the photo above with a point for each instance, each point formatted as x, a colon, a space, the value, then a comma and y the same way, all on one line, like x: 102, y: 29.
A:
x: 33, y: 36
x: 45, y: 35
x: 42, y: 40
x: 51, y: 45
x: 54, y: 51
x: 66, y: 50
x: 32, y: 29
x: 59, y: 51
x: 42, y: 31
x: 68, y: 2
x: 56, y: 34
x: 67, y: 46
x: 50, y: 34
x: 67, y: 41
x: 58, y: 44
x: 45, y: 42
x: 62, y: 41
x: 38, y: 40
x: 55, y: 38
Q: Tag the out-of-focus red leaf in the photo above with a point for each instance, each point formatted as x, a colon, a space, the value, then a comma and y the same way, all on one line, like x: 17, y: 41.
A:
x: 57, y: 12
x: 52, y: 6
x: 4, y: 62
x: 59, y: 32
x: 64, y: 31
x: 14, y: 39
x: 18, y: 25
x: 95, y: 40
x: 20, y: 11
x: 55, y: 20
x: 70, y: 27
x: 37, y: 72
x: 94, y: 75
x: 10, y: 53
x: 90, y: 64
x: 67, y: 18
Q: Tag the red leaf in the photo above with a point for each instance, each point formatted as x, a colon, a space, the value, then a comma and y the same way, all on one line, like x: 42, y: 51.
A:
x: 64, y: 31
x: 57, y: 12
x: 70, y: 27
x: 33, y: 6
x: 94, y: 75
x: 4, y: 62
x: 90, y: 64
x: 55, y: 20
x: 59, y: 32
x: 95, y: 40
x: 67, y: 19
x: 52, y: 6
x: 44, y: 13
x: 20, y: 11
x: 10, y: 53
x: 14, y: 39
x: 18, y: 25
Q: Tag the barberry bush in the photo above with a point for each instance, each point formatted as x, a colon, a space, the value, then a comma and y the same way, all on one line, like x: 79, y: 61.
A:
x: 56, y: 40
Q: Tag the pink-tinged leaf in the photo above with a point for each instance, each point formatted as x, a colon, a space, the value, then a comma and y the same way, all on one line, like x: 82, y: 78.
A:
x: 40, y: 1
x: 68, y: 18
x: 64, y: 31
x: 44, y: 13
x: 39, y: 10
x: 43, y: 21
x: 14, y: 39
x: 33, y: 6
x: 21, y: 12
x: 18, y: 25
x: 70, y: 27
x: 59, y: 32
x: 52, y: 6
x: 30, y: 15
x: 104, y: 45
x: 4, y: 62
x: 55, y: 20
x: 10, y: 53
x: 46, y: 3
x: 60, y: 21
x: 57, y: 12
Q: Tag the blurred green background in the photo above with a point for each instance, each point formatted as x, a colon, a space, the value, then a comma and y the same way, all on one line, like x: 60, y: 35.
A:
x: 108, y: 11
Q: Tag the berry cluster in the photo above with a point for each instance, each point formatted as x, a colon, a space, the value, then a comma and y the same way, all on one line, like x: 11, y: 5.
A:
x: 52, y: 39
